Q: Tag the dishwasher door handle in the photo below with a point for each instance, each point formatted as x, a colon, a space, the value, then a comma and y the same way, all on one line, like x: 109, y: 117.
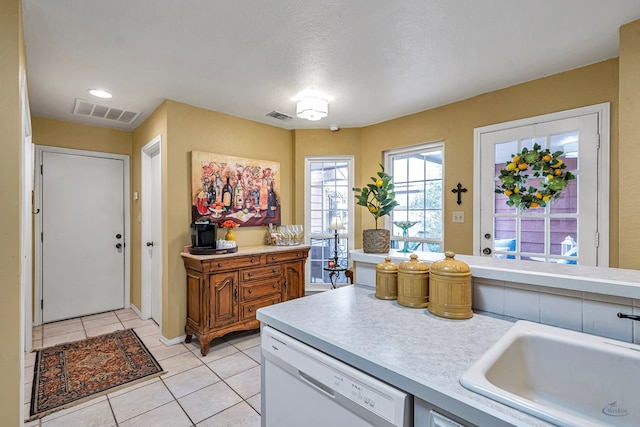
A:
x: 317, y: 384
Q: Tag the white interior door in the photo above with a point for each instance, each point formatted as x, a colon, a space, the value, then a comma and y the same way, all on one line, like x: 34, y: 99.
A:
x: 152, y: 230
x: 83, y: 235
x: 567, y: 230
x: 156, y: 238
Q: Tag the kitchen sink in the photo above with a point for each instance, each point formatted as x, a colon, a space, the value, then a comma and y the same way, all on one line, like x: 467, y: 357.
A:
x: 565, y: 377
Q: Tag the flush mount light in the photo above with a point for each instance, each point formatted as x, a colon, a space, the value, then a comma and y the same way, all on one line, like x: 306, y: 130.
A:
x: 100, y: 93
x: 312, y: 108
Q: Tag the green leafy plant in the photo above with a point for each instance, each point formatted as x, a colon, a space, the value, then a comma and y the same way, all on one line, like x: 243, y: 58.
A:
x: 378, y: 197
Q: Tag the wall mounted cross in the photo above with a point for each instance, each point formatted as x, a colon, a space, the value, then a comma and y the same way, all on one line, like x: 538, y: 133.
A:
x: 459, y: 190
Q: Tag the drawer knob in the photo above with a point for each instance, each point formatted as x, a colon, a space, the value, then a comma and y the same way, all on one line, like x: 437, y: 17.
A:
x: 274, y: 270
x: 273, y: 258
x: 250, y: 290
x: 250, y: 309
x: 250, y: 274
x: 252, y: 261
x: 219, y: 264
x: 274, y: 286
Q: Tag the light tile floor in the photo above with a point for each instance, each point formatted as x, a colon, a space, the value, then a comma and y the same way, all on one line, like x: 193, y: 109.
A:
x: 220, y: 389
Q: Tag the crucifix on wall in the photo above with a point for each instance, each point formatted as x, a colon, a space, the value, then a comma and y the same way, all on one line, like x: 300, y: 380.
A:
x: 459, y: 190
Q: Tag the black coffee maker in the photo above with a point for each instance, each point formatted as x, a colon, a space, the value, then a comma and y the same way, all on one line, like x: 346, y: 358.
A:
x: 203, y: 236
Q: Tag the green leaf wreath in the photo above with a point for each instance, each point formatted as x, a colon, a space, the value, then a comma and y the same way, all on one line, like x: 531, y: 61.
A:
x: 533, y: 163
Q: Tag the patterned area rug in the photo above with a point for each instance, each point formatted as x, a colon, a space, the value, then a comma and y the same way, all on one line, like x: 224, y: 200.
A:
x: 68, y: 374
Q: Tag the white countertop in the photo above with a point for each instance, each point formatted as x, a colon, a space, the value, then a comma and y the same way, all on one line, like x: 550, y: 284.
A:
x: 411, y: 349
x: 600, y: 280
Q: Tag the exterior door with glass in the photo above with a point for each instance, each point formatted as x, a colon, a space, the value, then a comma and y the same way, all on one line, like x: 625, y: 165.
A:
x: 566, y: 230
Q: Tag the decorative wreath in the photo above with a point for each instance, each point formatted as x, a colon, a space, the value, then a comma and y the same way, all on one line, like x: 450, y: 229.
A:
x: 543, y: 164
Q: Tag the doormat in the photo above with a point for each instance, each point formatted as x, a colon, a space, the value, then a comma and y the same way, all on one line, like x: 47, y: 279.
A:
x: 68, y: 374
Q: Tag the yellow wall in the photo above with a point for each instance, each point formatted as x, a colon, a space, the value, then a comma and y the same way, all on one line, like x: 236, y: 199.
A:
x: 12, y: 61
x: 320, y: 142
x: 454, y: 123
x: 190, y: 128
x: 56, y: 133
x: 629, y: 153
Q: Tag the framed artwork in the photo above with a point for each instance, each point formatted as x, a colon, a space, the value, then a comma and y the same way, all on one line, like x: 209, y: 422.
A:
x: 246, y: 191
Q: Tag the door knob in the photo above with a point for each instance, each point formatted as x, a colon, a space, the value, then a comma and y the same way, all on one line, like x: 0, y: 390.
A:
x: 118, y: 236
x: 149, y: 243
x: 118, y: 245
x: 487, y: 236
x: 486, y: 251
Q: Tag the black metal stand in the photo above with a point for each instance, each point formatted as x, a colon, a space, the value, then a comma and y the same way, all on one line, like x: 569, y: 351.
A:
x: 334, y: 273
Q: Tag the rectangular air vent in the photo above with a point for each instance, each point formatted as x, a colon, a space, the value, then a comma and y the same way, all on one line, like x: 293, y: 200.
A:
x: 91, y: 109
x: 280, y: 116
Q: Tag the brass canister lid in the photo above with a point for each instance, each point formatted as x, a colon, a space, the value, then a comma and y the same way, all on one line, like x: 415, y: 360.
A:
x: 414, y: 265
x: 449, y: 265
x: 387, y: 266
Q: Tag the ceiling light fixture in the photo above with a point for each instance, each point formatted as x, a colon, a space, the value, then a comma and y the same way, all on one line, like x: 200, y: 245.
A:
x: 312, y: 108
x: 100, y: 93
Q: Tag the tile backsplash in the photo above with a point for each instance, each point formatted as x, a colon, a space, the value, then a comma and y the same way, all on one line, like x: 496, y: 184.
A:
x: 580, y: 311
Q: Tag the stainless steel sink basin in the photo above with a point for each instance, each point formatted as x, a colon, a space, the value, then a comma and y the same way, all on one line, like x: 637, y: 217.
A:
x: 567, y: 378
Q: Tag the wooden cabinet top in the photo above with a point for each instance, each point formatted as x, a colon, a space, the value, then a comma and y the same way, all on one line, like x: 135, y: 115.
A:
x: 248, y: 256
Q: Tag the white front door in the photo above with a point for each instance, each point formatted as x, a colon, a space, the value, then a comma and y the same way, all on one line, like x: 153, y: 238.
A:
x: 567, y: 230
x: 83, y: 235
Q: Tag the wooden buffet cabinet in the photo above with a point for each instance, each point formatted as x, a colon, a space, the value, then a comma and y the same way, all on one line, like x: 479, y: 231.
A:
x: 224, y: 291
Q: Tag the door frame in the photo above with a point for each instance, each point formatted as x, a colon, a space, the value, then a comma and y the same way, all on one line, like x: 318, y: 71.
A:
x: 39, y: 150
x: 147, y: 152
x: 27, y: 217
x: 603, y: 112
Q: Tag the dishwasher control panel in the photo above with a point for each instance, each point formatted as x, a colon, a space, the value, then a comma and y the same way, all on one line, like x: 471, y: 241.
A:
x: 332, y: 376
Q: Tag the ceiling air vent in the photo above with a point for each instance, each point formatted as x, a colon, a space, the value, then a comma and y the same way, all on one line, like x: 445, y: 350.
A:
x: 89, y: 109
x: 280, y: 116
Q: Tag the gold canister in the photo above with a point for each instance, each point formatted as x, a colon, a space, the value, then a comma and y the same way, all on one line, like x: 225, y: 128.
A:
x: 387, y: 280
x: 450, y: 288
x: 413, y: 283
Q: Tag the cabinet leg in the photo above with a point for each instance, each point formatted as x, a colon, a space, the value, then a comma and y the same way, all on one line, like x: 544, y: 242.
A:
x: 187, y: 332
x: 204, y: 347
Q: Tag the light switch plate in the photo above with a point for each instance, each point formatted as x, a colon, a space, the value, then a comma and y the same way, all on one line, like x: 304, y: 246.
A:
x: 458, y: 217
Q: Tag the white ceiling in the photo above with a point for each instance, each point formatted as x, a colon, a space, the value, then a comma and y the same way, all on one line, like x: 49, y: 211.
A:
x: 375, y: 59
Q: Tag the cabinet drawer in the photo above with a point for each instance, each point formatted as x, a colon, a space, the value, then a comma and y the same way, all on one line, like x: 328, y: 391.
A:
x: 233, y: 263
x: 248, y: 309
x: 260, y: 273
x: 286, y: 256
x: 260, y: 289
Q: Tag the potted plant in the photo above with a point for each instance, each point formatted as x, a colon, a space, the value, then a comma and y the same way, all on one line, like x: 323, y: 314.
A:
x: 379, y: 199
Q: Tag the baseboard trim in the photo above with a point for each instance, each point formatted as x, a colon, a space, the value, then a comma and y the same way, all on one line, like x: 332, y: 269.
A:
x: 172, y: 341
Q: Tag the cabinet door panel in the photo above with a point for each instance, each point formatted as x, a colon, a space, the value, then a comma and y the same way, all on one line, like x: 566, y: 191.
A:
x: 293, y: 286
x: 224, y: 298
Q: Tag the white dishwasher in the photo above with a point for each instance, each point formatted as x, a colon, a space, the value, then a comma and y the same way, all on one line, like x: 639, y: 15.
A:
x: 304, y: 387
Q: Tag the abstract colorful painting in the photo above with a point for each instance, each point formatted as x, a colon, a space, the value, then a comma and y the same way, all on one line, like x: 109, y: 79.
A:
x: 246, y: 191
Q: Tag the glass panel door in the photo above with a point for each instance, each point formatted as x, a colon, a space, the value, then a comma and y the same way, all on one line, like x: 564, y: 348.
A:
x: 328, y: 198
x: 565, y: 231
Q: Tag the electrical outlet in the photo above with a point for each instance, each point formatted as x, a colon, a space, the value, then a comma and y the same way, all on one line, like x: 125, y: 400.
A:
x: 458, y: 217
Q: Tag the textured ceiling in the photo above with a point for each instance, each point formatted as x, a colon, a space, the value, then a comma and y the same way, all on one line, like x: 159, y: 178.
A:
x: 375, y: 59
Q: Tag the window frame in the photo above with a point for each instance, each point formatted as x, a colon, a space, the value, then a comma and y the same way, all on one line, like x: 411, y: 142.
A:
x: 349, y: 233
x: 389, y: 155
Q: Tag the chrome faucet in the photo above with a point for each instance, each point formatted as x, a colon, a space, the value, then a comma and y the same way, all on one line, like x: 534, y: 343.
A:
x: 628, y: 316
